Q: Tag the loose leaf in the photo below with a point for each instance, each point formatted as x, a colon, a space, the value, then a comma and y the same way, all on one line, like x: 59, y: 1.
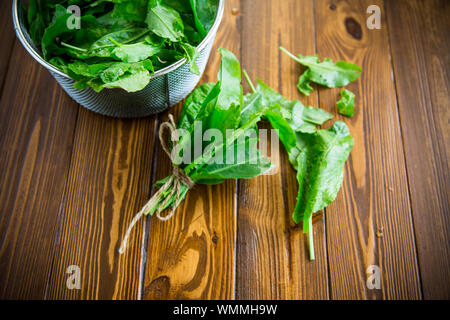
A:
x: 304, y: 83
x: 321, y: 162
x: 317, y: 155
x: 320, y: 172
x: 325, y: 73
x: 346, y: 105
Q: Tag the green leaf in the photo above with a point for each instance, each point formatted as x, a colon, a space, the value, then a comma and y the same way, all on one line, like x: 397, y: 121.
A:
x: 193, y: 105
x: 128, y: 76
x: 346, y: 105
x: 191, y: 54
x: 312, y: 115
x: 320, y: 169
x: 205, y: 12
x: 328, y: 74
x: 272, y: 98
x: 84, y: 70
x: 286, y: 133
x: 320, y: 173
x: 122, y: 36
x: 60, y: 63
x: 115, y: 71
x: 130, y: 10
x: 230, y: 78
x: 197, y: 111
x: 252, y: 107
x: 304, y: 83
x: 299, y: 117
x: 288, y: 117
x: 37, y: 28
x: 134, y: 79
x: 110, y: 20
x: 56, y: 29
x: 325, y: 73
x: 182, y: 6
x: 135, y: 52
x: 32, y: 11
x: 241, y: 165
x: 77, y: 39
x: 224, y: 118
x: 224, y: 112
x: 164, y: 21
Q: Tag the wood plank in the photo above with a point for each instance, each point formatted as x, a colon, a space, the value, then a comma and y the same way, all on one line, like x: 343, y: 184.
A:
x: 370, y: 222
x: 191, y: 256
x: 109, y: 181
x: 37, y: 122
x: 419, y: 33
x: 272, y: 257
x: 8, y: 38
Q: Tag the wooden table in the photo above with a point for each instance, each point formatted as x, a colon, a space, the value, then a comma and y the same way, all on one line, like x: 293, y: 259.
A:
x: 71, y: 180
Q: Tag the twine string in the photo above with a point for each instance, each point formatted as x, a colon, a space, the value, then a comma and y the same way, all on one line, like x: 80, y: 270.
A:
x: 174, y: 183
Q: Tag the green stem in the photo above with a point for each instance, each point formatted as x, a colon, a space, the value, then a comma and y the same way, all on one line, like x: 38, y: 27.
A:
x: 137, y: 37
x: 125, y: 42
x: 114, y: 41
x: 73, y: 47
x: 249, y: 81
x: 290, y: 54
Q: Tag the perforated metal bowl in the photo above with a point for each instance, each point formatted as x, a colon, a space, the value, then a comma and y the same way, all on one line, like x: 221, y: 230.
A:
x: 167, y: 87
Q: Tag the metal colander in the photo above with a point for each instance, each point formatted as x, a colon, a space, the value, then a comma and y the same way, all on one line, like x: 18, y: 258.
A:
x: 167, y: 87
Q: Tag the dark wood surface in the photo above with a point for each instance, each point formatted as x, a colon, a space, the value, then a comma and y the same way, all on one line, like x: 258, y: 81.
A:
x: 71, y: 180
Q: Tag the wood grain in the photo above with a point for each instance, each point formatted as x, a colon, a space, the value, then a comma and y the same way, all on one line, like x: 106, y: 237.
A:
x: 272, y: 257
x: 8, y: 37
x: 37, y: 121
x: 419, y: 33
x: 370, y: 221
x: 191, y: 256
x: 109, y: 181
x: 72, y: 180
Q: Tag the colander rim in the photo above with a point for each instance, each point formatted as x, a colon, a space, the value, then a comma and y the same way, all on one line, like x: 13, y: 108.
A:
x: 37, y: 56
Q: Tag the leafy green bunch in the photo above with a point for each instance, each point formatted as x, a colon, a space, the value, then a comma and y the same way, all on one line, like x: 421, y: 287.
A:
x: 317, y: 155
x: 119, y: 43
x: 218, y: 106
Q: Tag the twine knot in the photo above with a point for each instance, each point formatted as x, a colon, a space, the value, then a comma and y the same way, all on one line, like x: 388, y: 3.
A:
x: 174, y: 183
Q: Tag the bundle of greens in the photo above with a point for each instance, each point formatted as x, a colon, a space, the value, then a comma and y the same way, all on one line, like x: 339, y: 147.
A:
x: 317, y: 155
x: 118, y: 43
